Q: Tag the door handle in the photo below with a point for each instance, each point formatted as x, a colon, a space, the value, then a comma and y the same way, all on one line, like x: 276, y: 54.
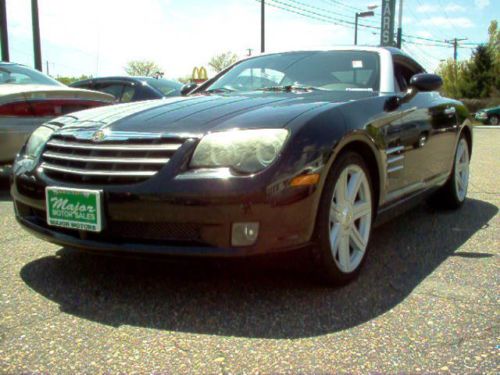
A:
x: 450, y: 111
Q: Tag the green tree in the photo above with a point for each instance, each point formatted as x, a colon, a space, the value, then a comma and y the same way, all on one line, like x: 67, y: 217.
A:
x: 478, y: 77
x: 494, y: 48
x: 143, y: 68
x: 222, y: 61
x: 70, y: 80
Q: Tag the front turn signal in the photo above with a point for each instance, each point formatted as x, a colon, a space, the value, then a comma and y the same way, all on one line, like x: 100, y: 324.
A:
x: 304, y: 180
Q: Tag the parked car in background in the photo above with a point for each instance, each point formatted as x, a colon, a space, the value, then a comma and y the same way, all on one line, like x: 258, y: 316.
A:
x: 132, y: 89
x: 489, y: 116
x: 311, y: 156
x: 29, y: 98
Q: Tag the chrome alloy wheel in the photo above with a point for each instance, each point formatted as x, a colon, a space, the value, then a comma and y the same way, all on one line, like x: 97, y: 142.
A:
x: 462, y: 169
x: 350, y: 218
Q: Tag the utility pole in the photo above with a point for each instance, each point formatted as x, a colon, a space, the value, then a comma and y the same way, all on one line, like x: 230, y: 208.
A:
x: 36, y: 35
x: 400, y: 25
x: 3, y: 31
x: 249, y: 51
x: 454, y: 42
x: 262, y: 26
x: 47, y: 66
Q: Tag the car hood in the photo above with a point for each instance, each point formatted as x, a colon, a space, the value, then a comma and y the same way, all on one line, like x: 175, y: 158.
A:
x: 10, y: 92
x: 196, y: 115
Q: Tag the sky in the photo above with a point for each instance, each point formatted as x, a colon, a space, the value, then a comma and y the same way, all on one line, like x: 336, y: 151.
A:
x: 98, y: 37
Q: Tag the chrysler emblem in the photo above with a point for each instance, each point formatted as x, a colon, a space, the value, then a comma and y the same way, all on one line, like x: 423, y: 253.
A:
x: 98, y: 136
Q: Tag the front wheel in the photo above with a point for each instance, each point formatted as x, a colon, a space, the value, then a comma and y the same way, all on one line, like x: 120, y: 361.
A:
x: 493, y: 120
x: 344, y: 220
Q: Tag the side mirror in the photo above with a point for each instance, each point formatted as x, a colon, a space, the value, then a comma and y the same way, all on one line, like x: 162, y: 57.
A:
x: 425, y: 82
x: 187, y: 88
x: 422, y: 82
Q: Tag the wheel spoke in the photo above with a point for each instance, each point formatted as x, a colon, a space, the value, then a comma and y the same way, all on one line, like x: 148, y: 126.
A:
x: 353, y: 186
x: 335, y: 234
x: 356, y: 238
x: 344, y: 253
x: 341, y: 188
x: 361, y: 209
x: 460, y: 182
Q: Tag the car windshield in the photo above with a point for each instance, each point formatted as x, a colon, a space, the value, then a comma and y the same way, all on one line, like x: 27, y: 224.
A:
x: 324, y: 70
x: 165, y: 86
x: 21, y: 75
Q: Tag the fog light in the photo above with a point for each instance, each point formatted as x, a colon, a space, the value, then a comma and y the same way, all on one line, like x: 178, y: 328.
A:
x: 244, y: 234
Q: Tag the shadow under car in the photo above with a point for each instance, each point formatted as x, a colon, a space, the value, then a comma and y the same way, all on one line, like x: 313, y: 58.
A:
x: 264, y: 297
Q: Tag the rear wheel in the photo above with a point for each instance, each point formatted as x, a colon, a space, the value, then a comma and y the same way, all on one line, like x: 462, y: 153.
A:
x: 344, y: 220
x: 452, y: 195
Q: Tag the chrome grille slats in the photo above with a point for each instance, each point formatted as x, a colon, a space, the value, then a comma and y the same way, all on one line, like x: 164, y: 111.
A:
x: 113, y: 161
x: 114, y: 147
x: 104, y: 159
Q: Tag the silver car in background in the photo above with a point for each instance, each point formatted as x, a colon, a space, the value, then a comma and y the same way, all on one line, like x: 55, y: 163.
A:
x: 29, y: 98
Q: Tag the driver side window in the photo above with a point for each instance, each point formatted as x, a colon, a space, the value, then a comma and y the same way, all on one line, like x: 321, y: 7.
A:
x: 402, y: 76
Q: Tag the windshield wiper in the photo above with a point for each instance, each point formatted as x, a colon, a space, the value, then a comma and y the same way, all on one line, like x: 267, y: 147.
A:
x: 288, y: 88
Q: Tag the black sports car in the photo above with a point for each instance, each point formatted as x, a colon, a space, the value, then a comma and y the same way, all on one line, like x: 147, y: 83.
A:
x: 281, y: 151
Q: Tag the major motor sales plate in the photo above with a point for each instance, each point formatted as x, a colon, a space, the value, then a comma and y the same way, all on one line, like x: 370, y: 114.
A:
x: 74, y: 208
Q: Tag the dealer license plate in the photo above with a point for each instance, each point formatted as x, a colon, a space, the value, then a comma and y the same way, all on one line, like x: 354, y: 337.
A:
x: 74, y: 208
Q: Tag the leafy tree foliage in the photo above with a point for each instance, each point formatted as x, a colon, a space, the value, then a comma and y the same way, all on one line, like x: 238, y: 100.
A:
x: 70, y: 80
x: 222, y: 61
x: 145, y: 68
x: 478, y: 77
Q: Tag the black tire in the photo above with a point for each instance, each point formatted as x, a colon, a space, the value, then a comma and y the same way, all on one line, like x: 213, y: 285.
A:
x: 493, y: 120
x: 448, y: 197
x: 325, y: 267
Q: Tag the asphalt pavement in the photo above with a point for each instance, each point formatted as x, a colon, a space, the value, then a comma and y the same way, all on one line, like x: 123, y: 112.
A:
x: 426, y: 301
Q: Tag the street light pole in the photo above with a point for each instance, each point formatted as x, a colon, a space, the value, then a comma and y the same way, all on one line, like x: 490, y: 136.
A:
x: 263, y: 26
x: 360, y: 14
x: 356, y: 29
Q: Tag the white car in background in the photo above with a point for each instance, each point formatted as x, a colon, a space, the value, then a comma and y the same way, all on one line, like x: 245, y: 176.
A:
x: 29, y: 98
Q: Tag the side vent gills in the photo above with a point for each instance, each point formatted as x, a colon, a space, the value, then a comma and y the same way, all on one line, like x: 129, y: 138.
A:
x: 395, y: 159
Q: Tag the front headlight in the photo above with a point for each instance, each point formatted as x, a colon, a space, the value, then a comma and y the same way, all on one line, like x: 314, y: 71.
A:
x: 37, y: 141
x: 245, y: 151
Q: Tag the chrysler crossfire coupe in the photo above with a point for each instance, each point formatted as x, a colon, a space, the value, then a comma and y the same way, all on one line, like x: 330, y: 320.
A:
x: 302, y: 150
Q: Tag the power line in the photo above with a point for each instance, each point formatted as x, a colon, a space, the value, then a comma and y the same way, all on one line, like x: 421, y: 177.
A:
x: 292, y: 6
x: 313, y: 14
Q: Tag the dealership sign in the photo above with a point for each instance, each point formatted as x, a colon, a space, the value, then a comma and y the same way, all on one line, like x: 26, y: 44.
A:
x: 387, y: 31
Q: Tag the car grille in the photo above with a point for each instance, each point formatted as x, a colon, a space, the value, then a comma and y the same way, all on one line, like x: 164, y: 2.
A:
x: 112, y: 162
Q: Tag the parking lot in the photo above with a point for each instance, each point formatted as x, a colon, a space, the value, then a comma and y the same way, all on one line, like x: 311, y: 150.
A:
x: 426, y: 301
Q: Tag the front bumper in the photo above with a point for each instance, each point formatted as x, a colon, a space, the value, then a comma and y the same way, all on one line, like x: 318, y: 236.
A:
x: 188, y: 217
x: 481, y: 117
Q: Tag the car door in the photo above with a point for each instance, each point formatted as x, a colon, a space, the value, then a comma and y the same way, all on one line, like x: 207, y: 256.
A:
x: 427, y: 131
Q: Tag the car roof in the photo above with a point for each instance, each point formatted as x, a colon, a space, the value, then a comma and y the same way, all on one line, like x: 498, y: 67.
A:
x: 395, y: 52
